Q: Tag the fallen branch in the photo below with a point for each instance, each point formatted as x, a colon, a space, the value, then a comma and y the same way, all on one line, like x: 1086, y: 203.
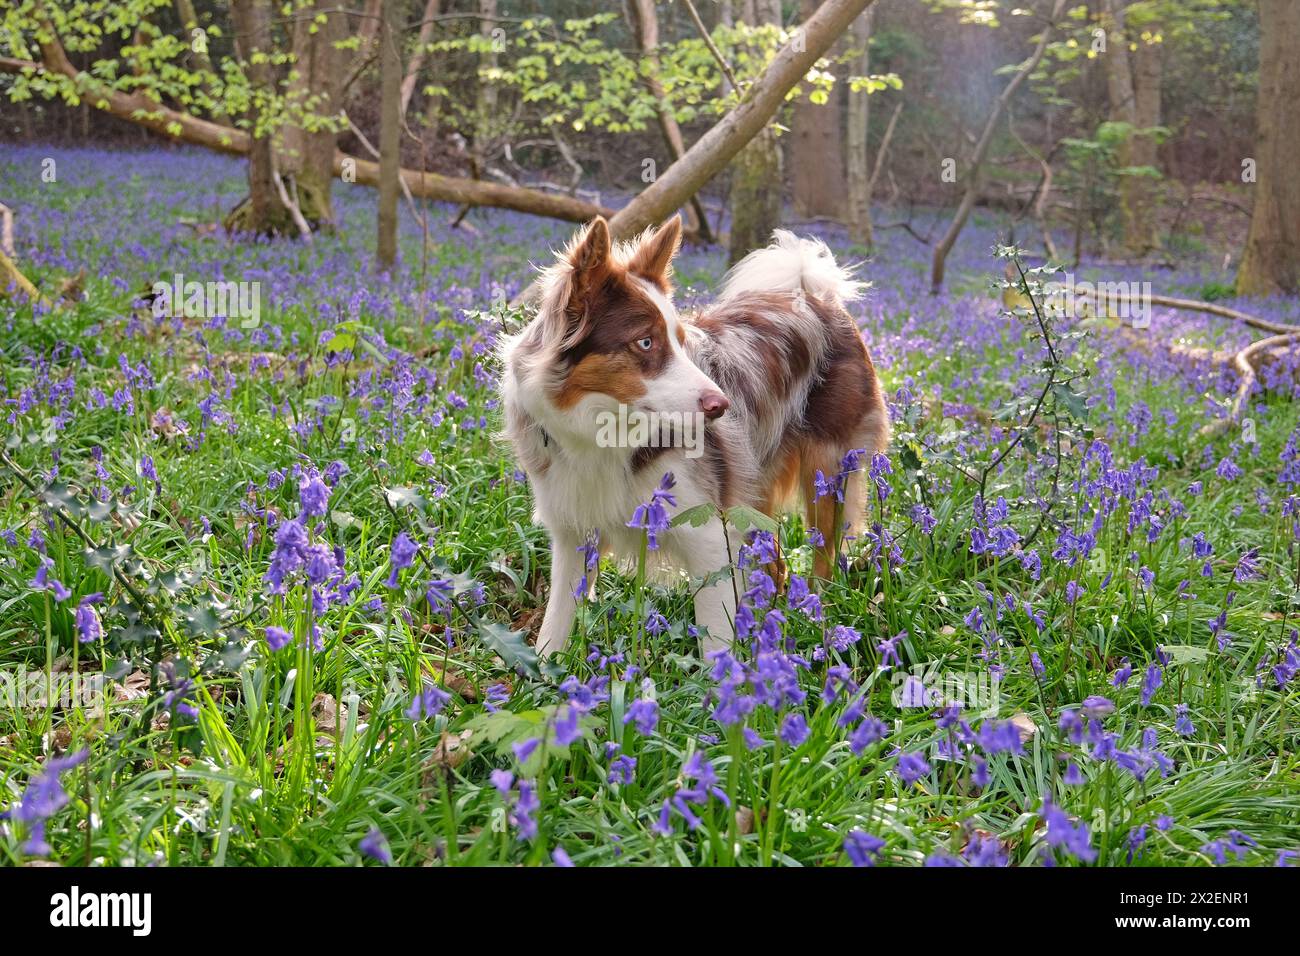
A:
x: 183, y: 127
x: 14, y: 276
x: 1245, y: 361
x: 711, y: 153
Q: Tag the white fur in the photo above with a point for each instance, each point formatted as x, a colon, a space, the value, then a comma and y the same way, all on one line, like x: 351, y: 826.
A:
x: 792, y: 263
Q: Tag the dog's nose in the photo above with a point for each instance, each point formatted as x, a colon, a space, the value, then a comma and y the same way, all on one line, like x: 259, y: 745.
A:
x: 713, y: 404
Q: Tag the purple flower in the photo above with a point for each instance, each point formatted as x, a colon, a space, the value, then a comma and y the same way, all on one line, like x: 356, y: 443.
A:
x: 567, y: 728
x: 43, y: 798
x: 653, y: 515
x: 645, y: 714
x: 1074, y: 839
x: 1151, y: 682
x: 912, y: 767
x: 429, y: 702
x: 400, y: 554
x: 375, y: 845
x: 794, y: 729
x: 622, y: 769
x: 526, y: 804
x: 277, y: 637
x: 863, y: 848
x: 313, y: 495
x: 89, y: 628
x: 868, y: 732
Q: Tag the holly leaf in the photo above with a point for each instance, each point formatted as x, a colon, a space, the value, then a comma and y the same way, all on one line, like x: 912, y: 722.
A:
x: 510, y: 647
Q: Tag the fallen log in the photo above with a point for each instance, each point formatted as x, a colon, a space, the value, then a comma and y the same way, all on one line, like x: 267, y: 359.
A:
x: 185, y: 128
x: 1247, y: 362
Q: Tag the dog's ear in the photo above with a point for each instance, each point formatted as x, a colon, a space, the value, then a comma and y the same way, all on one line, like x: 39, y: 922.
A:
x: 653, y: 258
x: 589, y: 258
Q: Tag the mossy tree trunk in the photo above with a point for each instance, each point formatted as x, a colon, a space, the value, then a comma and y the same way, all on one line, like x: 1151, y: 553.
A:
x: 755, y: 197
x: 315, y: 98
x: 857, y: 158
x: 262, y: 212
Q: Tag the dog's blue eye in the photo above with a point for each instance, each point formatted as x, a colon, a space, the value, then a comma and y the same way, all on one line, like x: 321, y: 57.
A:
x: 645, y: 344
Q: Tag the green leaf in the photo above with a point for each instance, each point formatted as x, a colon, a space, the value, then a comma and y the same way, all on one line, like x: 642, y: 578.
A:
x: 696, y: 517
x: 743, y: 517
x: 108, y: 557
x: 510, y: 647
x: 405, y: 497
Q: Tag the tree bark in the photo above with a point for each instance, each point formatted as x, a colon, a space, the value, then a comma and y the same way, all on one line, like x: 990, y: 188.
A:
x: 486, y: 95
x: 976, y: 161
x: 1132, y: 87
x: 431, y: 10
x: 755, y: 196
x: 262, y: 212
x: 857, y: 158
x: 390, y: 134
x: 816, y: 152
x: 190, y: 22
x: 1271, y: 264
x: 315, y: 87
x: 645, y: 24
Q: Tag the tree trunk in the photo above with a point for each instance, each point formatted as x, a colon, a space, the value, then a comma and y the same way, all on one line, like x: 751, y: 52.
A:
x: 1271, y: 264
x: 816, y: 149
x: 190, y: 22
x: 486, y: 95
x: 316, y: 88
x: 262, y: 212
x: 645, y: 24
x: 1123, y: 84
x: 390, y: 133
x: 431, y: 10
x: 755, y: 196
x: 858, y: 154
x: 976, y: 161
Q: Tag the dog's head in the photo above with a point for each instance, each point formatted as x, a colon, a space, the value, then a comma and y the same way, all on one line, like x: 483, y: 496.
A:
x: 612, y: 337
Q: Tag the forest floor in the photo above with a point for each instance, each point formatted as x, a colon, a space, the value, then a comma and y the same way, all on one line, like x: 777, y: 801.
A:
x: 1118, y: 685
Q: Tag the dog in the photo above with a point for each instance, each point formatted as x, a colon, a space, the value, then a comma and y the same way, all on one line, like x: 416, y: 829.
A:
x: 775, y: 372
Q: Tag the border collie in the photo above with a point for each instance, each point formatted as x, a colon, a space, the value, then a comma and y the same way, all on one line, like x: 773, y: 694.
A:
x: 775, y: 373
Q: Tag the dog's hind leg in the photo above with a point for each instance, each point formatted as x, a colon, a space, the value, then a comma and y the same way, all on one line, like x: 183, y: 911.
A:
x: 561, y: 604
x: 832, y: 520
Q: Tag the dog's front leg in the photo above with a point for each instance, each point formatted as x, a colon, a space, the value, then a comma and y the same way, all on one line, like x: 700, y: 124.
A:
x: 705, y: 553
x: 561, y: 605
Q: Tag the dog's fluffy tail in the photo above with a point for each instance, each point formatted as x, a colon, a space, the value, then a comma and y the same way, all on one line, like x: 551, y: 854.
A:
x: 791, y: 263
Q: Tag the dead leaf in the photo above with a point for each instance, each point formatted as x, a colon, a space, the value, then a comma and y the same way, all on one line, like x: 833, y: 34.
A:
x: 135, y: 686
x: 1024, y: 725
x: 745, y: 820
x: 452, y: 750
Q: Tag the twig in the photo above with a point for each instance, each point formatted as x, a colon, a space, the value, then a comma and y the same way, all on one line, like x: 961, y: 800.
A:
x: 713, y: 48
